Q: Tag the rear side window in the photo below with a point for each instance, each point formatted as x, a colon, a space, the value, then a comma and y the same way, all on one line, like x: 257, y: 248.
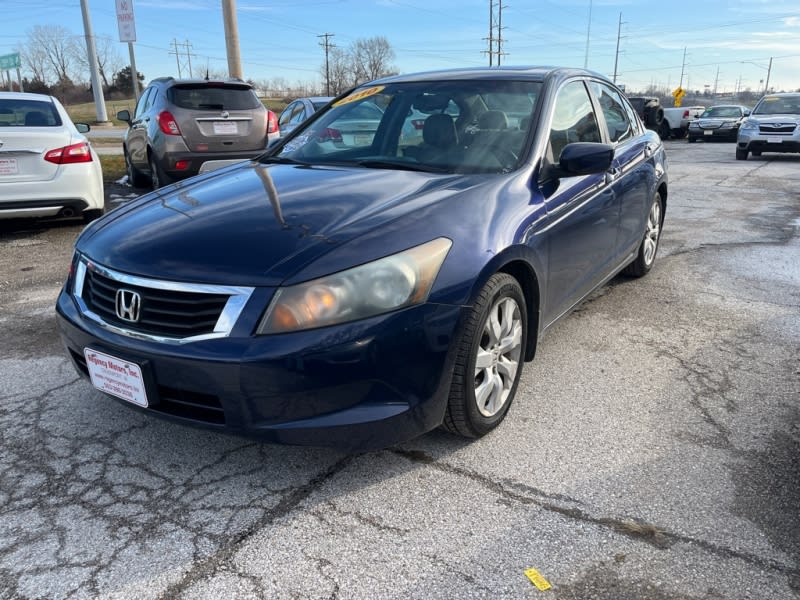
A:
x: 28, y: 113
x: 204, y: 97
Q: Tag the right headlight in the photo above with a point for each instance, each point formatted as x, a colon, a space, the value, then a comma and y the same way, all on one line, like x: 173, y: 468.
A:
x: 749, y: 124
x: 378, y: 287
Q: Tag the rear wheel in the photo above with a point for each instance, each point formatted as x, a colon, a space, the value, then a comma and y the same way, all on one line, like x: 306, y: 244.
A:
x: 664, y: 130
x: 157, y: 176
x: 692, y: 140
x: 92, y: 214
x: 136, y: 178
x: 646, y: 256
x: 489, y: 360
x: 741, y: 154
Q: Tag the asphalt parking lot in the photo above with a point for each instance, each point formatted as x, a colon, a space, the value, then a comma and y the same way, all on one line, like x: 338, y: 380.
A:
x: 653, y: 450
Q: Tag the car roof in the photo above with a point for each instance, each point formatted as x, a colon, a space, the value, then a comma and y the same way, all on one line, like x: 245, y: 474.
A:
x: 534, y: 73
x: 199, y: 81
x: 318, y: 98
x: 782, y: 95
x: 26, y: 96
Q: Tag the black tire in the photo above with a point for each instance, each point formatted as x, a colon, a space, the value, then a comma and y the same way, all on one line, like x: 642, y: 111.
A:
x: 158, y: 178
x: 136, y: 178
x: 680, y: 133
x: 503, y: 301
x: 692, y: 140
x: 664, y: 130
x: 646, y: 256
x: 741, y: 154
x: 756, y: 152
x: 655, y: 116
x: 92, y: 214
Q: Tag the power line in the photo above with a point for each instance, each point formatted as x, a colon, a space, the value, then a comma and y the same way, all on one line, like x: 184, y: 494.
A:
x: 327, y: 45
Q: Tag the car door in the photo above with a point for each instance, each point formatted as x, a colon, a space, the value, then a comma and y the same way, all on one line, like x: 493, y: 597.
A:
x: 631, y: 174
x: 583, y: 211
x: 136, y: 140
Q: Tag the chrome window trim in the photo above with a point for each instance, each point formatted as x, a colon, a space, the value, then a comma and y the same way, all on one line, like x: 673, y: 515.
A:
x: 238, y: 297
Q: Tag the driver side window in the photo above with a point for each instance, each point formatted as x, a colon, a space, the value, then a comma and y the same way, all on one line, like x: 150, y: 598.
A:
x: 573, y: 118
x: 617, y: 123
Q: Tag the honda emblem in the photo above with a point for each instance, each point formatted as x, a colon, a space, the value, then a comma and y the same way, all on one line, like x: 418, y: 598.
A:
x: 128, y: 305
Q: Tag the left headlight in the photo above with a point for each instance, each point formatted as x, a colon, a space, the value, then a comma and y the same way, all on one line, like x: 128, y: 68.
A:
x: 381, y: 286
x: 749, y: 124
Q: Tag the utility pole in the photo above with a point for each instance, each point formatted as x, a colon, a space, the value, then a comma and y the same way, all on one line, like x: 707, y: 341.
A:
x: 327, y: 45
x: 588, y: 32
x: 97, y: 87
x: 490, y: 52
x: 495, y: 23
x: 188, y: 47
x: 499, y: 31
x: 769, y: 71
x: 683, y: 67
x: 176, y: 52
x: 232, y: 38
x: 716, y: 83
x: 616, y: 54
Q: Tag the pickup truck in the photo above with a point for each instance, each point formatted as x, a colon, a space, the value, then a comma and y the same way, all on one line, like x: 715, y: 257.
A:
x: 676, y: 121
x: 668, y: 122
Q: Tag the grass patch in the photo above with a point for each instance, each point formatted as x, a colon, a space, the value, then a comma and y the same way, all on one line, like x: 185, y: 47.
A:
x: 86, y: 113
x: 113, y: 167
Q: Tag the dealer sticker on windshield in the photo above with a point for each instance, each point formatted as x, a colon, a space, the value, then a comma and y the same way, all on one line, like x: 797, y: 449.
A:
x: 360, y: 95
x: 115, y: 376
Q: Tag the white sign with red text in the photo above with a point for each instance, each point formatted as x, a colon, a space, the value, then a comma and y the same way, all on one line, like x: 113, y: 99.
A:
x: 115, y: 376
x: 125, y: 21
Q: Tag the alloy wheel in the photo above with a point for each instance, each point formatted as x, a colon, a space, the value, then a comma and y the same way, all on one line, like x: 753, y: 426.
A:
x: 498, y: 356
x: 652, y: 232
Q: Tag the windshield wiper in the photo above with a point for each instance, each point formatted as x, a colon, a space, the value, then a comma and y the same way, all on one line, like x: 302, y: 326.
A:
x: 282, y: 160
x: 374, y: 163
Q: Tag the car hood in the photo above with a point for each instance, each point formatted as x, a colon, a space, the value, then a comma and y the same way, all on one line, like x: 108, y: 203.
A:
x: 255, y: 224
x: 783, y: 118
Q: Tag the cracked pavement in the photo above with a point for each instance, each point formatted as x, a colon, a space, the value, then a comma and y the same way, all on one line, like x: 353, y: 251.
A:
x: 653, y: 450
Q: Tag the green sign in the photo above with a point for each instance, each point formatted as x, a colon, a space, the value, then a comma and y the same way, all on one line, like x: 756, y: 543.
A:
x: 10, y: 61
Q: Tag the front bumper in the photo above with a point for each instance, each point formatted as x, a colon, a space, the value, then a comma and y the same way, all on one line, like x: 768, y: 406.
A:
x: 754, y: 140
x: 728, y: 133
x: 363, y: 385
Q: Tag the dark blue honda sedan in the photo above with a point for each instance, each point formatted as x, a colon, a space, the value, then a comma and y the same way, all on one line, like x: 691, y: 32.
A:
x: 364, y: 282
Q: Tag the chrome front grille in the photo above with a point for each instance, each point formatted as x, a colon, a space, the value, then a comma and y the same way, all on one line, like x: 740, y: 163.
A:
x: 172, y: 312
x: 783, y: 128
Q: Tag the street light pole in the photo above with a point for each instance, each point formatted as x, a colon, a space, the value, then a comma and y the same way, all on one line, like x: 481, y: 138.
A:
x: 97, y: 87
x: 769, y: 70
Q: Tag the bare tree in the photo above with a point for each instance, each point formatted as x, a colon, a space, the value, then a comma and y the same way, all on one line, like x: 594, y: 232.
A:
x: 58, y: 48
x: 371, y: 58
x: 34, y: 59
x: 109, y: 60
x: 366, y: 59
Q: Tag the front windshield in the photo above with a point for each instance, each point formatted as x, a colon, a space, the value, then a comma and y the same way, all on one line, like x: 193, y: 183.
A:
x: 475, y: 126
x: 722, y: 112
x: 778, y: 105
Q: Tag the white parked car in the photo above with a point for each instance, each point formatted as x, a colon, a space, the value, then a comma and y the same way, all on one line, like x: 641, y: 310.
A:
x: 47, y: 167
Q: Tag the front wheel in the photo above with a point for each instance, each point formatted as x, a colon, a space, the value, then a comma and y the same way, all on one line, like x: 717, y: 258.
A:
x: 741, y: 154
x: 692, y: 140
x: 646, y: 256
x: 489, y: 359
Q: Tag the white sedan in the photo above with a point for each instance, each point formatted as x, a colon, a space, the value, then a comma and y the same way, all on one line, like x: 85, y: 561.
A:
x: 47, y: 167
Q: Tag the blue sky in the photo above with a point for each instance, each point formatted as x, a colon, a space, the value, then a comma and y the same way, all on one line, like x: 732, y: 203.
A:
x: 279, y: 39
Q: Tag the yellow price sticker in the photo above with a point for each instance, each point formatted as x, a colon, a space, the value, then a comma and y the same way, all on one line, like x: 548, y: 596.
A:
x: 360, y: 95
x: 537, y: 579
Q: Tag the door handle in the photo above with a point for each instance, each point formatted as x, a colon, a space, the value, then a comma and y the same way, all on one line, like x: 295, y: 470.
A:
x: 612, y: 174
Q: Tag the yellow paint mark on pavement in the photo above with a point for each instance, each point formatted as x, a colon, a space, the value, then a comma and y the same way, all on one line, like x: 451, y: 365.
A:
x: 537, y: 579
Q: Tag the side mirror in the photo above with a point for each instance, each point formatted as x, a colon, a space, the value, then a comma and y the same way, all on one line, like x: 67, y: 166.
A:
x: 82, y: 127
x: 583, y: 158
x: 747, y: 113
x: 124, y: 116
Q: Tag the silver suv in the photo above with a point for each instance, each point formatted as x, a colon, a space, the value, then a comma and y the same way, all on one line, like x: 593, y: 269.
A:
x: 773, y: 126
x: 182, y: 127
